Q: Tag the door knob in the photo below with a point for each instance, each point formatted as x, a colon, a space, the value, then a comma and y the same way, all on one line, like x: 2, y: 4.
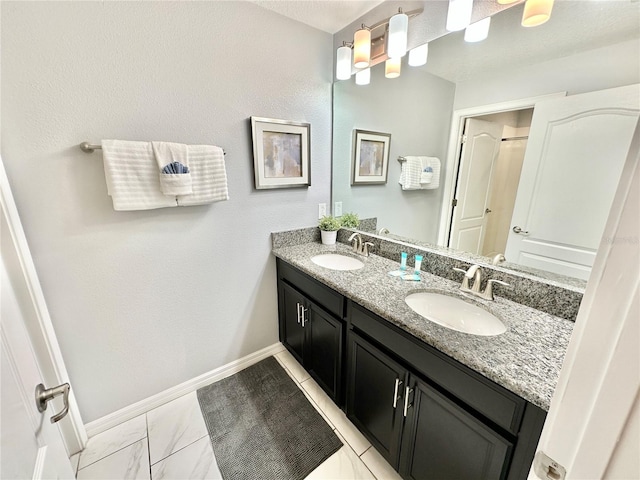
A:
x: 43, y: 395
x: 518, y: 230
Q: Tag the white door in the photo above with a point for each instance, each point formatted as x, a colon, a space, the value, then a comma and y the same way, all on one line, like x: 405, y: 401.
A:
x: 30, y: 445
x: 479, y: 152
x: 576, y: 150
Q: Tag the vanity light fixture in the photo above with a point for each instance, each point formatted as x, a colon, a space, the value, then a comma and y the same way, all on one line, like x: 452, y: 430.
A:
x: 363, y: 77
x: 418, y: 56
x: 476, y: 32
x: 392, y: 67
x: 398, y: 30
x: 343, y: 62
x: 459, y: 14
x: 536, y: 12
x: 362, y: 47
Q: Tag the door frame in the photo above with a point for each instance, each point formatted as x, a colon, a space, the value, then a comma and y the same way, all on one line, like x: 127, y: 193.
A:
x: 455, y: 147
x: 42, y: 335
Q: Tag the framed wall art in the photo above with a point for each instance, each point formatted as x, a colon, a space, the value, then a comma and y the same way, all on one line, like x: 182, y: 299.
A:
x: 281, y: 153
x: 370, y: 164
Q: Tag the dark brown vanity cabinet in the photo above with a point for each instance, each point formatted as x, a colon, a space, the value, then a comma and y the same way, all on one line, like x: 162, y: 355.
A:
x: 430, y: 416
x: 312, y: 331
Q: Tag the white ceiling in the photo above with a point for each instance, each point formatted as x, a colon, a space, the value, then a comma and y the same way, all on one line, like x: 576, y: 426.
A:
x: 327, y: 15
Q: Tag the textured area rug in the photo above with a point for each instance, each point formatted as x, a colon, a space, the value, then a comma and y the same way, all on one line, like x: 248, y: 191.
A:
x: 263, y: 427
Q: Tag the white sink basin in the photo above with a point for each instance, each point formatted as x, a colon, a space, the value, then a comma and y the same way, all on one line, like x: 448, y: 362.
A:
x: 335, y: 261
x: 455, y: 313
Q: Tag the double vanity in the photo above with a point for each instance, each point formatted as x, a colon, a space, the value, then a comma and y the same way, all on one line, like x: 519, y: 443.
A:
x: 465, y: 400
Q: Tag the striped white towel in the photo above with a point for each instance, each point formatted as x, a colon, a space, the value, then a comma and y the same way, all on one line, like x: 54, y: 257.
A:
x: 412, y: 169
x: 208, y: 175
x: 132, y: 176
x: 410, y: 173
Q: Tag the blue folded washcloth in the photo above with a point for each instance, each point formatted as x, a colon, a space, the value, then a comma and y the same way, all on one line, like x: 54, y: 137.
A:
x: 175, y: 167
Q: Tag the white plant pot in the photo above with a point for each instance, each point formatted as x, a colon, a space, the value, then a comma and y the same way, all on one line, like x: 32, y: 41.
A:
x: 328, y: 238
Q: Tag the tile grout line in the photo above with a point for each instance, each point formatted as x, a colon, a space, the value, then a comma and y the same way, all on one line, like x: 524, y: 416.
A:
x: 107, y: 456
x: 179, y: 450
x: 146, y: 422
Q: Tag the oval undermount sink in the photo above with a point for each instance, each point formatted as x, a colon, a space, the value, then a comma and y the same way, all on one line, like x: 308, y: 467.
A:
x: 335, y: 261
x: 455, y: 313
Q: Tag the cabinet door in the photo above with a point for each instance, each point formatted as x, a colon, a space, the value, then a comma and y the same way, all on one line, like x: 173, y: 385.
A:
x: 324, y: 350
x: 292, y: 331
x: 375, y: 387
x: 442, y: 441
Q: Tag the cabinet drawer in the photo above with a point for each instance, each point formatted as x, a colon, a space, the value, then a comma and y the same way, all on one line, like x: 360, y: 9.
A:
x: 489, y: 399
x: 330, y: 300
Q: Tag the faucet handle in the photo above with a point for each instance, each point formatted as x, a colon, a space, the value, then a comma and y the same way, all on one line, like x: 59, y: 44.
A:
x: 365, y: 248
x: 488, y: 291
x: 461, y: 270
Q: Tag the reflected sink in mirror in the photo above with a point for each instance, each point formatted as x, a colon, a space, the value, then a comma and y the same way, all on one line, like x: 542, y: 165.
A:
x: 455, y: 313
x: 335, y: 261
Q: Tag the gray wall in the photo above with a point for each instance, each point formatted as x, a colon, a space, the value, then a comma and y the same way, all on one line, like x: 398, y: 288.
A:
x: 142, y: 301
x: 606, y: 67
x: 416, y: 111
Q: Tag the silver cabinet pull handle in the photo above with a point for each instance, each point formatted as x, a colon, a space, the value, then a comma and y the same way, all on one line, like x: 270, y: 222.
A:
x: 298, y: 308
x: 407, y: 391
x: 303, y: 311
x: 43, y: 395
x: 395, y: 392
x: 518, y: 230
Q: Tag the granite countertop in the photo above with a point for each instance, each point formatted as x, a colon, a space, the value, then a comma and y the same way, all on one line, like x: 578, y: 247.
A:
x: 526, y: 359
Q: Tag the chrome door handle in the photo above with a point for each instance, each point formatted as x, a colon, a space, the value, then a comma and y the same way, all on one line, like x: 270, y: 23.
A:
x: 303, y: 311
x: 395, y: 392
x: 407, y: 391
x: 518, y: 230
x: 43, y: 395
x: 298, y: 308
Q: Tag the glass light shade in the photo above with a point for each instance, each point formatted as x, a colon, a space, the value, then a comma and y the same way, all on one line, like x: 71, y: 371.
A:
x: 536, y: 12
x: 476, y: 32
x: 363, y: 77
x: 392, y: 67
x: 459, y: 14
x: 343, y: 63
x: 398, y: 29
x: 418, y: 56
x: 362, y: 48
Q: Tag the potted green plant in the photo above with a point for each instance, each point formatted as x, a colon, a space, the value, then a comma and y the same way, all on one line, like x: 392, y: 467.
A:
x: 350, y: 220
x: 329, y: 226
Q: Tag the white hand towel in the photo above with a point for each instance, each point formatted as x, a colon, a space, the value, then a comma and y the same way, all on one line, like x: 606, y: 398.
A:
x: 434, y: 178
x: 410, y: 173
x: 208, y: 174
x: 132, y: 176
x: 173, y: 163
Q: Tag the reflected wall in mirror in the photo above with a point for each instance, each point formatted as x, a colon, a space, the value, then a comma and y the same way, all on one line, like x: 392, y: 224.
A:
x: 585, y: 47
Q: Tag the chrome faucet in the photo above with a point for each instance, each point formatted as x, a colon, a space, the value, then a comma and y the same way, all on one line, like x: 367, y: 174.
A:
x: 497, y: 259
x: 358, y: 246
x: 356, y: 241
x: 475, y: 273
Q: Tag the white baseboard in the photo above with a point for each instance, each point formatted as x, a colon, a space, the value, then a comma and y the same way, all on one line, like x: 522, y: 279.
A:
x: 127, y: 413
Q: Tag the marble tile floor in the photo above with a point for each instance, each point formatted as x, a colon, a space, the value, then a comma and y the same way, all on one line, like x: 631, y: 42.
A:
x: 171, y: 442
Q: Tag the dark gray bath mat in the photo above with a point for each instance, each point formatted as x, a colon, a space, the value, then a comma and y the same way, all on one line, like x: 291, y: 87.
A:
x: 263, y: 427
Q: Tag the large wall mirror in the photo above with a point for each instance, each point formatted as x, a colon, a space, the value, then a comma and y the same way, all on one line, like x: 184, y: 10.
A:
x: 497, y: 93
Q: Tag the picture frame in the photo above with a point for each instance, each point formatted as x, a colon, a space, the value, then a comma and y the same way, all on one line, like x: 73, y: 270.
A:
x: 370, y: 164
x: 281, y: 153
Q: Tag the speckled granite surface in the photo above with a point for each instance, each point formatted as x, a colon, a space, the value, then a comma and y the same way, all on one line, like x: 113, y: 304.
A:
x: 560, y: 296
x: 526, y: 359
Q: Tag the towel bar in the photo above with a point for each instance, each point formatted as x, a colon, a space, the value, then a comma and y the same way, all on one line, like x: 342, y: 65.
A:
x: 91, y: 147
